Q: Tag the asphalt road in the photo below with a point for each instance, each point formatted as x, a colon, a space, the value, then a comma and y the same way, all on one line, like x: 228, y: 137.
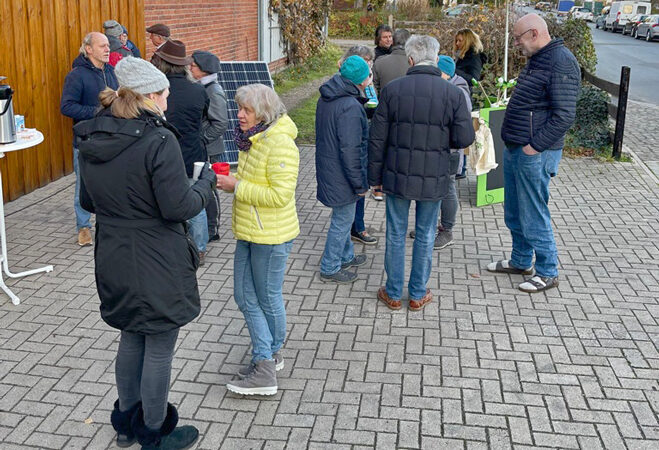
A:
x: 615, y: 51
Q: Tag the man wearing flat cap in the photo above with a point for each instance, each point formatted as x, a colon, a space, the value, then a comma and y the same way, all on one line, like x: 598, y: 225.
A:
x: 159, y: 34
x: 204, y: 68
x: 186, y: 105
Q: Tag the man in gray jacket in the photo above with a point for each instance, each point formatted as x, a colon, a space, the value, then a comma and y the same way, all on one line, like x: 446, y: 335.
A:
x: 394, y: 65
x: 204, y: 68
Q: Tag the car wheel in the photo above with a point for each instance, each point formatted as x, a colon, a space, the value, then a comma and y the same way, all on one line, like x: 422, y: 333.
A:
x: 648, y: 36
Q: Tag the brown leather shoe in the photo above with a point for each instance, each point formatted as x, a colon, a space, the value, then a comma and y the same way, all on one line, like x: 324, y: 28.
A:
x: 84, y: 237
x: 390, y: 302
x: 417, y: 305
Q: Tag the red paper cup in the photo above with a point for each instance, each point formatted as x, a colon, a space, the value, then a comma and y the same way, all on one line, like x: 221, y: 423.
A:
x: 221, y: 168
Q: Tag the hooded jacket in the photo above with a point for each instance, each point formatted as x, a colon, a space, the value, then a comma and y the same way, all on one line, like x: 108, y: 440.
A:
x: 419, y: 118
x: 264, y: 200
x: 544, y: 103
x: 341, y: 143
x: 133, y: 178
x: 82, y: 86
x: 216, y: 119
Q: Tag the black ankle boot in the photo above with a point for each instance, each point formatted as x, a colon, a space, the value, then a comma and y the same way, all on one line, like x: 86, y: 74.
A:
x: 168, y: 437
x: 121, y: 424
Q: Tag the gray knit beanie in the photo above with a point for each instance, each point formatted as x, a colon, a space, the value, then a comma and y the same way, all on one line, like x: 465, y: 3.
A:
x: 140, y: 75
x: 112, y: 28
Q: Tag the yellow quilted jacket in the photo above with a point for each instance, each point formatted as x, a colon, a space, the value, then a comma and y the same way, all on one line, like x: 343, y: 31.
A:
x: 264, y: 202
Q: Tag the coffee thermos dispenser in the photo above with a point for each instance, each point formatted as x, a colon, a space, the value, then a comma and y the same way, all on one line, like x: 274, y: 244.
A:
x: 7, y: 121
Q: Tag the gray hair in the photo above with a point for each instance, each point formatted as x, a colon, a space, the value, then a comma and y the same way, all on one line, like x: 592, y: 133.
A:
x: 87, y: 40
x: 401, y: 35
x: 265, y: 102
x: 360, y: 50
x: 422, y: 49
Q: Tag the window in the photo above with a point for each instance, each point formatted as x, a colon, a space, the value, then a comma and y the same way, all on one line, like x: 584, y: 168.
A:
x: 641, y: 9
x: 628, y: 9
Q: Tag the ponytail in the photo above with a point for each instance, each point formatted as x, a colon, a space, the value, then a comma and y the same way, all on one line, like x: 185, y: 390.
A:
x: 125, y: 103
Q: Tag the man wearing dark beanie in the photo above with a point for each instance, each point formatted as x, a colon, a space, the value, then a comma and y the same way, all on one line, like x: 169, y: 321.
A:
x: 341, y: 158
x: 204, y: 68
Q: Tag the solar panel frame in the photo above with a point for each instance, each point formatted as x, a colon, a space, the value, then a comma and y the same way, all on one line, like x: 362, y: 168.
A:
x: 232, y: 75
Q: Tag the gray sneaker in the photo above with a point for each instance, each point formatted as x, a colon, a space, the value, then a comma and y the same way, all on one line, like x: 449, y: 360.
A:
x: 262, y: 380
x: 340, y: 277
x: 443, y: 239
x: 358, y: 260
x: 249, y: 368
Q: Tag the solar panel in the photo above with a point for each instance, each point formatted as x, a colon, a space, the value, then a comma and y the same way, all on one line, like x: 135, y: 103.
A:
x: 232, y: 75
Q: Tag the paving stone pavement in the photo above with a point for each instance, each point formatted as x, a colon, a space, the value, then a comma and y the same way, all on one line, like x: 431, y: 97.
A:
x: 483, y: 366
x: 642, y: 133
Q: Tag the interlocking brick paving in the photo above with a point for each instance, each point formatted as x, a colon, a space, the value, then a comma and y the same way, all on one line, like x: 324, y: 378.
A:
x: 483, y: 366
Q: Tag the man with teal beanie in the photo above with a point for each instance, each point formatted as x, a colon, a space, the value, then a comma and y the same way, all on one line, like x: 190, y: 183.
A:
x: 341, y: 161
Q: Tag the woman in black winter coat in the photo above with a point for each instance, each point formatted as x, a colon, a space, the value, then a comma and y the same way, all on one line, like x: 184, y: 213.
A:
x: 469, y: 56
x: 134, y: 180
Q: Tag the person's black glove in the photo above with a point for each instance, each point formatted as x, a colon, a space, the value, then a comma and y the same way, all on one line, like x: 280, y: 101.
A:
x: 208, y: 174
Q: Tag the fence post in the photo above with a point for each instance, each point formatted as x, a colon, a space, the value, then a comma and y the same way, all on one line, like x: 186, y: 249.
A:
x: 391, y: 21
x: 622, y: 111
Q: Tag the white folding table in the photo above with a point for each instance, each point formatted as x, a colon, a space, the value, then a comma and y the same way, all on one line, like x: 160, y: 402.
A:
x: 22, y: 143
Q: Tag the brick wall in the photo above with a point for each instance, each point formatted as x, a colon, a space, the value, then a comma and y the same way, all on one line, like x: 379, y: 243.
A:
x: 227, y: 28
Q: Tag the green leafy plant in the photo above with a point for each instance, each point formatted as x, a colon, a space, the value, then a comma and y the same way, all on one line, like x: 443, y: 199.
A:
x: 355, y: 24
x: 316, y: 66
x: 591, y: 128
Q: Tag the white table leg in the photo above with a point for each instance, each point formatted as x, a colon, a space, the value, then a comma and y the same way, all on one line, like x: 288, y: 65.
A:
x: 5, y: 263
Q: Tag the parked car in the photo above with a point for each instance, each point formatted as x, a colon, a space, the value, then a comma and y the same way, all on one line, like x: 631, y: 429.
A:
x: 649, y: 28
x: 543, y: 6
x: 600, y: 22
x: 621, y: 12
x: 459, y: 10
x: 632, y: 24
x: 583, y: 14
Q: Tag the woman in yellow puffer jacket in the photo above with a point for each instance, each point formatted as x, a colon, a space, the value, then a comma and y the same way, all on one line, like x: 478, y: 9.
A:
x: 265, y: 223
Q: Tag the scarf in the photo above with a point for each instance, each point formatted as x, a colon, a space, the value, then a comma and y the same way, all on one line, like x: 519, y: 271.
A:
x: 242, y: 137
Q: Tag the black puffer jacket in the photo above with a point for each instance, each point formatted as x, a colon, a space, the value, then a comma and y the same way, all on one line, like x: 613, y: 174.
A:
x: 543, y: 105
x: 419, y: 118
x: 133, y: 178
x: 470, y: 66
x: 341, y: 139
x: 186, y: 105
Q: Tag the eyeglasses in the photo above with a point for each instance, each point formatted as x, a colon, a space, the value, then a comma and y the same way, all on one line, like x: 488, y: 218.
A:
x: 517, y: 38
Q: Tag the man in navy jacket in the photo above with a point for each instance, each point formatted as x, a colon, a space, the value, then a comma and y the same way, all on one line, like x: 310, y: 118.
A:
x: 541, y: 110
x: 420, y: 117
x: 90, y: 75
x: 341, y: 139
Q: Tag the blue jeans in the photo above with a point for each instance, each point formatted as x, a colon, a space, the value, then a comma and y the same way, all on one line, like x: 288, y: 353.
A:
x: 448, y: 206
x: 358, y: 225
x: 258, y: 271
x: 338, y: 247
x: 526, y: 210
x: 198, y: 227
x: 83, y: 216
x: 394, y: 256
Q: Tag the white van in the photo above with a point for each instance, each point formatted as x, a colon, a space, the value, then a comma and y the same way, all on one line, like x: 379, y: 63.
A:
x: 621, y: 12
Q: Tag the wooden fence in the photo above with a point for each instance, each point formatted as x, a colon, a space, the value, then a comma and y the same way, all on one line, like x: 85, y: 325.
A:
x: 39, y: 39
x: 617, y: 111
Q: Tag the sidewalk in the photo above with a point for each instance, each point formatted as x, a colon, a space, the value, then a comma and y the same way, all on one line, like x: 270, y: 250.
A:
x: 483, y: 366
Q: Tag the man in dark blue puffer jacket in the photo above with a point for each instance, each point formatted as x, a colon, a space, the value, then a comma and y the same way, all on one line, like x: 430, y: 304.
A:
x: 541, y: 110
x: 341, y: 157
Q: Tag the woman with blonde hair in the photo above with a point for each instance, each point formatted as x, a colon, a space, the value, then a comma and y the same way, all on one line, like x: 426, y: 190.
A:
x: 133, y: 178
x: 264, y: 222
x: 468, y: 55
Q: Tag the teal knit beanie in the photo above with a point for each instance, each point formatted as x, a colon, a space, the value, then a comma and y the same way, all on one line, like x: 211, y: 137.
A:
x: 355, y: 69
x: 446, y: 65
